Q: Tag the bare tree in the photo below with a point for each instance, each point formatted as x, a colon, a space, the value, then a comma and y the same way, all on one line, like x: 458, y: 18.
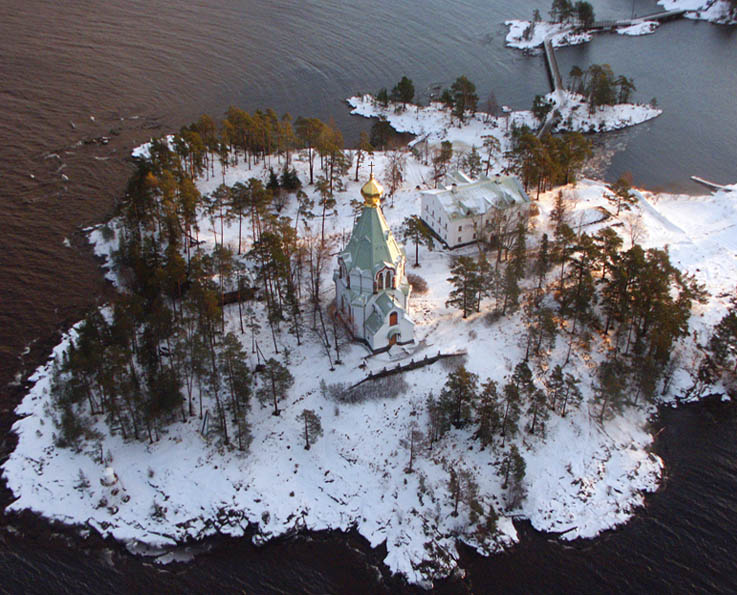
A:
x: 396, y: 166
x: 635, y: 228
x: 414, y: 441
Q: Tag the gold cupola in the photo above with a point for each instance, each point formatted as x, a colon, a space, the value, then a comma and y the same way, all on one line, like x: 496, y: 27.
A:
x: 371, y: 192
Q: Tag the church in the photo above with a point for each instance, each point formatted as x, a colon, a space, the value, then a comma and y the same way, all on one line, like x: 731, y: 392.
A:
x: 371, y: 288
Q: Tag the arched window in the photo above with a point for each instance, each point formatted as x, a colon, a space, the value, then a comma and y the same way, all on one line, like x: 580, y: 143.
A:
x: 380, y: 281
x: 393, y: 319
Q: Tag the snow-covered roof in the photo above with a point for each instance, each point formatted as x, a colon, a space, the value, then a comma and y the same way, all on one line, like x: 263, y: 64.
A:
x: 476, y: 198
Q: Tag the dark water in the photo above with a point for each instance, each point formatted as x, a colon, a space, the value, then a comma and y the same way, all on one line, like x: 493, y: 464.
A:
x: 129, y: 69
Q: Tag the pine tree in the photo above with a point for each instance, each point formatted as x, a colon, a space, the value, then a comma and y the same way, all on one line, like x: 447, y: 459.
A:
x: 464, y: 97
x: 459, y: 395
x: 414, y: 229
x: 404, y: 91
x: 462, y: 487
x: 492, y: 145
x: 510, y: 406
x: 622, y: 196
x: 542, y: 262
x: 538, y: 411
x: 413, y: 443
x: 723, y: 342
x: 437, y: 420
x: 487, y: 412
x: 556, y: 387
x: 472, y: 162
x: 276, y: 381
x: 610, y: 390
x: 467, y: 284
x: 572, y: 395
x: 238, y: 379
x: 514, y: 468
x: 441, y: 159
x: 312, y: 426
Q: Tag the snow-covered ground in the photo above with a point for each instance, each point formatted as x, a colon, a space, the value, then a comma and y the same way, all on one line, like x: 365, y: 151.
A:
x: 582, y: 478
x: 641, y: 28
x: 526, y: 35
x: 561, y: 34
x: 433, y: 123
x: 715, y: 11
x: 575, y: 116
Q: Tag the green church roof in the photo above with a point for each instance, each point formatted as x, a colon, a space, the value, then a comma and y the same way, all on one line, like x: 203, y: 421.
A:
x: 372, y: 244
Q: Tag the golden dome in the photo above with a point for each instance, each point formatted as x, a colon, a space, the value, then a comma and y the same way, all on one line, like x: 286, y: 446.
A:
x: 372, y: 192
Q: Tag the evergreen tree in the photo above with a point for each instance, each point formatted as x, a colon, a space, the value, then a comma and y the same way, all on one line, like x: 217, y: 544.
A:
x: 538, y: 411
x: 464, y: 97
x: 514, y: 469
x: 364, y: 148
x: 437, y: 420
x: 459, y: 395
x: 238, y: 379
x: 462, y: 488
x: 541, y: 107
x: 584, y: 13
x: 467, y: 284
x: 492, y: 145
x: 472, y: 162
x: 723, y: 342
x: 610, y: 390
x: 510, y: 406
x: 622, y: 196
x: 415, y: 229
x: 312, y: 426
x: 441, y: 159
x: 413, y: 443
x: 382, y: 96
x: 276, y: 381
x: 542, y: 263
x: 488, y: 412
x: 289, y: 179
x: 404, y: 91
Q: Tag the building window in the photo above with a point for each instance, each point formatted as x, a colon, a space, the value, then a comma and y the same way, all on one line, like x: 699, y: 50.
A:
x: 393, y: 319
x: 460, y: 228
x: 474, y: 236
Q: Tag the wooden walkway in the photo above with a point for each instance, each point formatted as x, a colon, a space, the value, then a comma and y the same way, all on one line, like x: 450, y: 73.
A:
x: 552, y: 64
x: 709, y: 184
x: 556, y: 82
x: 412, y: 365
x: 664, y: 15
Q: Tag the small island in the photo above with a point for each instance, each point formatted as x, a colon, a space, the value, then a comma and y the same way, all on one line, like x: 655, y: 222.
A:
x: 422, y: 343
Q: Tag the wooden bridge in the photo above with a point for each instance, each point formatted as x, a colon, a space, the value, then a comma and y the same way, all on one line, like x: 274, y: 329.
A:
x: 662, y: 16
x: 556, y: 81
x: 552, y: 64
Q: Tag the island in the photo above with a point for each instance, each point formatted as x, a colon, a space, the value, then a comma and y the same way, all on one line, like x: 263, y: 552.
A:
x: 521, y: 326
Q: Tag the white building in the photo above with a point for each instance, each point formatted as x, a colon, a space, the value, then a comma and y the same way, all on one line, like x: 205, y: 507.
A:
x: 458, y: 213
x: 371, y: 288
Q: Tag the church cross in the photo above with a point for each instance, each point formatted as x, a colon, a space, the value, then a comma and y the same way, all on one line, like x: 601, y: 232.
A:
x: 371, y: 166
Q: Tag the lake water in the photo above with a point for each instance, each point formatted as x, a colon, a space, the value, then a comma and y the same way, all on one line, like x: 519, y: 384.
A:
x: 127, y: 70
